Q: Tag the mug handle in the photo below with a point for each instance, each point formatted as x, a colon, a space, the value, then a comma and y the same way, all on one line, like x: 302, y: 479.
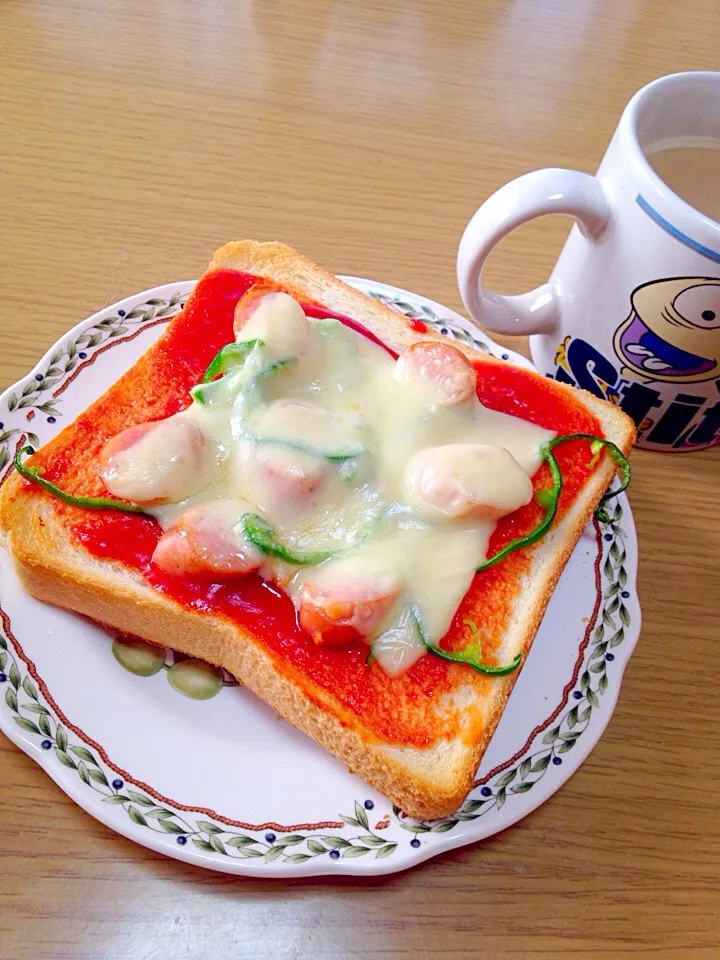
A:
x: 533, y: 195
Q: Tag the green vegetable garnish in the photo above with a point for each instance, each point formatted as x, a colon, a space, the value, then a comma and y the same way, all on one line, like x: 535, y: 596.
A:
x: 595, y: 448
x: 231, y: 355
x: 328, y: 325
x: 34, y: 475
x: 213, y: 391
x: 470, y: 656
x: 544, y: 497
x: 337, y: 456
x: 548, y: 497
x: 596, y: 445
x: 276, y: 365
x: 259, y: 532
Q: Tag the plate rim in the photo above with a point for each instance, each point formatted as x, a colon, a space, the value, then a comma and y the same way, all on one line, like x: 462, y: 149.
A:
x: 320, y: 866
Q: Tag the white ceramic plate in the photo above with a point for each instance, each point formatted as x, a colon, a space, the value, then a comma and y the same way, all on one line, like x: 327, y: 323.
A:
x: 224, y: 783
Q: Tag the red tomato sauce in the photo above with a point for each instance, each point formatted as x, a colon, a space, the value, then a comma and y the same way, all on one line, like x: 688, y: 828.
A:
x: 419, y: 326
x: 402, y: 710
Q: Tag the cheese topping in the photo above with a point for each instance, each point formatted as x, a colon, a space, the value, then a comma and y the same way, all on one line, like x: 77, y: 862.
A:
x: 157, y: 462
x: 462, y: 480
x: 379, y: 482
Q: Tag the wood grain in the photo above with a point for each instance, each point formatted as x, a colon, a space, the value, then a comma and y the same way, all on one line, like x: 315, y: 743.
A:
x: 134, y: 139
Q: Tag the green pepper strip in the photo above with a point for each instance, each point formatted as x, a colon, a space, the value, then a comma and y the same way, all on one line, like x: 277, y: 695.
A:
x: 231, y: 355
x: 596, y: 445
x: 259, y: 532
x: 305, y: 448
x: 549, y: 497
x: 200, y: 391
x: 276, y: 365
x: 33, y: 474
x: 470, y: 656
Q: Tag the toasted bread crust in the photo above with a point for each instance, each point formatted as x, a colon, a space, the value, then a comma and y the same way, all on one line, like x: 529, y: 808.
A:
x: 425, y: 782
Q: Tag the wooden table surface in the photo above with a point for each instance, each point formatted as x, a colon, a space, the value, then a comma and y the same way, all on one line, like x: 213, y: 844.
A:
x: 137, y: 137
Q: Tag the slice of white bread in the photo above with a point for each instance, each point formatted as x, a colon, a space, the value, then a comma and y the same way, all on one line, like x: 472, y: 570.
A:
x: 425, y: 782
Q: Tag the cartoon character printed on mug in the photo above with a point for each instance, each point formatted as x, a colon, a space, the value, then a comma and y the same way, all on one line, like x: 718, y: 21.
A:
x: 672, y: 334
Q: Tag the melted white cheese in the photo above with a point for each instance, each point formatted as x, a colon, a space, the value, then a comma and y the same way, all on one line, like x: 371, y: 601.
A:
x: 466, y: 480
x: 332, y: 450
x: 159, y: 462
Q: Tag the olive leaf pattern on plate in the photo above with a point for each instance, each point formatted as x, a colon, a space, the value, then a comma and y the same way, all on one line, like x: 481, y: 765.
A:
x: 46, y: 736
x: 448, y: 328
x: 359, y: 839
x: 63, y: 360
x: 23, y: 700
x: 34, y: 398
x: 613, y: 619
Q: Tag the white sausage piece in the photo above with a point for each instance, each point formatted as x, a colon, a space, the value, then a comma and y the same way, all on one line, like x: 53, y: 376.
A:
x: 275, y: 318
x: 346, y: 604
x: 441, y: 366
x: 282, y: 481
x: 164, y: 461
x: 466, y: 480
x: 209, y: 540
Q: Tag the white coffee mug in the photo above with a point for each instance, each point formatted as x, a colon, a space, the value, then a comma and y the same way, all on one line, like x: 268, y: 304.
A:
x: 632, y: 309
